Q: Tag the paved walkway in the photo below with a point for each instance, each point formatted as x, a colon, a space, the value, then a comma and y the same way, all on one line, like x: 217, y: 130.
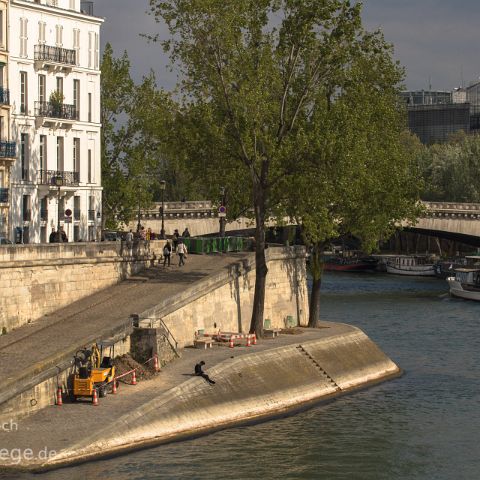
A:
x: 31, y: 349
x: 55, y: 428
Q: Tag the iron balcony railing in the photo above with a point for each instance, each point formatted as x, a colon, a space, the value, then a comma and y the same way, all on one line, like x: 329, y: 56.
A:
x: 48, y: 177
x: 8, y: 149
x: 55, y: 110
x: 3, y: 195
x: 4, y: 96
x: 91, y: 215
x: 55, y: 54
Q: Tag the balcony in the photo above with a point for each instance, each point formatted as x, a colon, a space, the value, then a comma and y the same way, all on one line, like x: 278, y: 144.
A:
x: 69, y: 179
x: 47, y: 56
x: 8, y: 150
x: 4, y: 96
x: 54, y: 113
x: 3, y: 195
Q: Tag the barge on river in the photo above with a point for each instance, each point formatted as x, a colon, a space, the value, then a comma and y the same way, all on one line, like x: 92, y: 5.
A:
x: 413, y: 265
x: 465, y: 283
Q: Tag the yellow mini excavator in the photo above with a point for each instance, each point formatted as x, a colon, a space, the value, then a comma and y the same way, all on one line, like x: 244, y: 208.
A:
x: 94, y: 370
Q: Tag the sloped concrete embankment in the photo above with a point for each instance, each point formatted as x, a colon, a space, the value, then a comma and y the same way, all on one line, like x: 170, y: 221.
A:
x: 249, y: 387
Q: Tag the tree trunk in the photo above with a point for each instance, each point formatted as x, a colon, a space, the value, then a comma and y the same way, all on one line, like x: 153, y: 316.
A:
x: 316, y: 271
x: 261, y: 270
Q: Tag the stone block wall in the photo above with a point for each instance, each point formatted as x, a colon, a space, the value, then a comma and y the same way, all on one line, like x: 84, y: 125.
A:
x: 224, y: 302
x: 36, y: 280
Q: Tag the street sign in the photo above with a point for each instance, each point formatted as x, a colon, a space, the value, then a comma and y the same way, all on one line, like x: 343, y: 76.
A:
x: 67, y: 219
x: 222, y: 211
x: 68, y: 212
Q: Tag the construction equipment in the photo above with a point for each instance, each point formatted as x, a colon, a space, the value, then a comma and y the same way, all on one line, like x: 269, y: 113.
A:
x: 94, y: 371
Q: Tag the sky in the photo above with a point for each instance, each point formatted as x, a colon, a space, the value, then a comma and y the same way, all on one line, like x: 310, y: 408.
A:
x: 435, y: 40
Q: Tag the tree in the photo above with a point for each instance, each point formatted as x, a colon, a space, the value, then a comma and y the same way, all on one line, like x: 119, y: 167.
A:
x: 134, y: 120
x: 364, y: 179
x: 256, y: 77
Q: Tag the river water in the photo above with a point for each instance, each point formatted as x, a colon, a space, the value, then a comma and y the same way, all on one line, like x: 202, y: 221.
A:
x: 424, y: 425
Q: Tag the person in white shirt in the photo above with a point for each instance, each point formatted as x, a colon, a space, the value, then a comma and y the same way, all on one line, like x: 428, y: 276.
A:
x: 182, y: 253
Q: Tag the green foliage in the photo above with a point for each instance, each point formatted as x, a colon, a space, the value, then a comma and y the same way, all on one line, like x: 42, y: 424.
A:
x: 134, y: 119
x: 451, y: 171
x: 292, y: 107
x: 56, y: 98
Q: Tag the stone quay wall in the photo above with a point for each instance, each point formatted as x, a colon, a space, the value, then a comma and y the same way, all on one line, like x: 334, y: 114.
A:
x: 36, y: 280
x: 224, y: 301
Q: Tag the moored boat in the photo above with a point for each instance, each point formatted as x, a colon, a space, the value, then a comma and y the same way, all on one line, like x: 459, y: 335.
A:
x: 413, y: 265
x: 465, y: 283
x: 353, y: 264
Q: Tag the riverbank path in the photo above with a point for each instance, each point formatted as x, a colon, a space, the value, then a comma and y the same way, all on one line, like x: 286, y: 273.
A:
x: 29, y: 350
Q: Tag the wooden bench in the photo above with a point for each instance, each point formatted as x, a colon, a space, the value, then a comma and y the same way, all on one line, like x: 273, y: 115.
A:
x: 271, y: 332
x: 203, y: 342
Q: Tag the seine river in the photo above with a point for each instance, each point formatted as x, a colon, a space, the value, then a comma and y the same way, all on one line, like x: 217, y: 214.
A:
x: 424, y: 425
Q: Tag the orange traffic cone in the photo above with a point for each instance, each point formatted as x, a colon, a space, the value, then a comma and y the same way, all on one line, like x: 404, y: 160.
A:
x: 231, y: 345
x: 155, y: 363
x: 134, y: 378
x: 254, y: 338
x: 59, y: 397
x: 95, y: 398
x: 114, y: 386
x: 249, y: 342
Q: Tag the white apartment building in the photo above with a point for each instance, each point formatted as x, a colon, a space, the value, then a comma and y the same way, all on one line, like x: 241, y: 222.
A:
x: 54, y: 74
x: 7, y: 146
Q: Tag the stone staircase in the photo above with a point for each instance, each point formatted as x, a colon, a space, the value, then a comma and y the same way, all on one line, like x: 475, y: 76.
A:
x: 319, y: 367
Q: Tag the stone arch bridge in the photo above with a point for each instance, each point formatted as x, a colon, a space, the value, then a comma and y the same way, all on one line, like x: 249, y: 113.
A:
x: 447, y: 220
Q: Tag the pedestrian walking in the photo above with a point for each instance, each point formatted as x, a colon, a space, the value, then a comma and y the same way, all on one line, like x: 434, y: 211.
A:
x: 176, y: 237
x: 182, y: 253
x: 186, y: 233
x: 167, y: 251
x: 129, y: 240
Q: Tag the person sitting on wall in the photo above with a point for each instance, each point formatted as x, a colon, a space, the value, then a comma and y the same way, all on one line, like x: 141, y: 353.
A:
x: 200, y: 373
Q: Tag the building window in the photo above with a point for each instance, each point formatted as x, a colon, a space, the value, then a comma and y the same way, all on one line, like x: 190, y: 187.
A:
x: 76, y: 158
x: 23, y: 93
x: 76, y: 97
x: 90, y: 169
x: 59, y: 35
x: 23, y: 37
x: 60, y: 85
x: 24, y: 156
x: 76, y: 208
x: 60, y: 154
x: 42, y: 26
x: 91, y: 208
x: 43, y: 152
x: 76, y: 45
x: 2, y: 75
x: 89, y: 107
x: 44, y: 209
x: 42, y: 88
x: 2, y: 29
x: 97, y: 52
x: 90, y: 49
x: 27, y: 208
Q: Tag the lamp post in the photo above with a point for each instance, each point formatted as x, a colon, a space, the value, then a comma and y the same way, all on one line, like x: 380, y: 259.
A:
x: 222, y: 214
x: 163, y: 185
x: 58, y: 182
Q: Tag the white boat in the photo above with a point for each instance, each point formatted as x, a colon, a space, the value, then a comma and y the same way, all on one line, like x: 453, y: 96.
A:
x: 465, y: 283
x: 414, y: 265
